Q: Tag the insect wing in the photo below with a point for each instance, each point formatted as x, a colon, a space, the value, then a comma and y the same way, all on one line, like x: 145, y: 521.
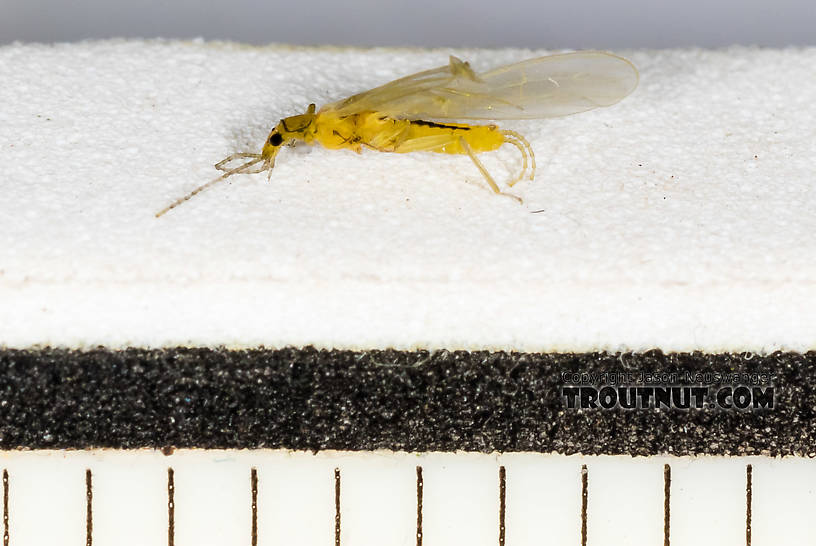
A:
x: 552, y: 86
x: 392, y: 92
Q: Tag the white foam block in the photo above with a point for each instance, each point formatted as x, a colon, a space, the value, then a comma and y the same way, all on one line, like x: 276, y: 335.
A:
x: 681, y: 218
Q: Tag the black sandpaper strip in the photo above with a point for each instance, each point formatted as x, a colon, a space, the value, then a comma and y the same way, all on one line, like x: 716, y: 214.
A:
x: 308, y: 399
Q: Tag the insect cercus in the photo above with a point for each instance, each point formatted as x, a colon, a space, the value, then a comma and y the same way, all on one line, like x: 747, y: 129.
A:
x: 424, y: 112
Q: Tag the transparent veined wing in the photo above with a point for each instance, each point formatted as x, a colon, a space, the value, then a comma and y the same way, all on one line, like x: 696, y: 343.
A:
x: 394, y: 91
x: 556, y: 85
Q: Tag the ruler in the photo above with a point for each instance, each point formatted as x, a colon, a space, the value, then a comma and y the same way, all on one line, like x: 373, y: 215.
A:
x: 333, y: 498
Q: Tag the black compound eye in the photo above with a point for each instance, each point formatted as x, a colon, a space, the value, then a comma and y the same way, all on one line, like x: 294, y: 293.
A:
x: 276, y: 139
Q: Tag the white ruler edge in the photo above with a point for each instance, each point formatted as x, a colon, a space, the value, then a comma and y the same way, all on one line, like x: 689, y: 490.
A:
x: 712, y: 500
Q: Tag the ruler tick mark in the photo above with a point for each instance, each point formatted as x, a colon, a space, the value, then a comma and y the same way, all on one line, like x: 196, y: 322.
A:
x: 88, y: 507
x: 584, y: 492
x: 336, y: 507
x: 666, y: 505
x: 502, y: 503
x: 253, y: 481
x: 419, y: 486
x: 748, y: 501
x: 171, y: 508
x: 5, y: 507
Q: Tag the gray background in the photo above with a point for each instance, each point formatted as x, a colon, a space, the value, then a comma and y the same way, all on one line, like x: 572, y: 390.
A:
x: 426, y: 23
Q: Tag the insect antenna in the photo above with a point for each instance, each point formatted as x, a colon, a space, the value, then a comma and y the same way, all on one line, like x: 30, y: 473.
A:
x: 244, y: 169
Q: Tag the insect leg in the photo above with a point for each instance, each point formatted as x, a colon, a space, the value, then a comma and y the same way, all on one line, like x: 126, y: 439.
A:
x: 515, y: 142
x: 527, y: 147
x: 484, y: 172
x: 372, y: 147
x: 222, y: 165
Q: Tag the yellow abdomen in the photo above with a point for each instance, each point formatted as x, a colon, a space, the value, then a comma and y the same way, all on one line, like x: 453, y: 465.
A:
x: 375, y: 131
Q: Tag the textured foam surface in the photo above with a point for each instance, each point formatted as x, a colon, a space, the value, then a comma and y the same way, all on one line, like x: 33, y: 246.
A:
x: 418, y: 401
x: 681, y: 218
